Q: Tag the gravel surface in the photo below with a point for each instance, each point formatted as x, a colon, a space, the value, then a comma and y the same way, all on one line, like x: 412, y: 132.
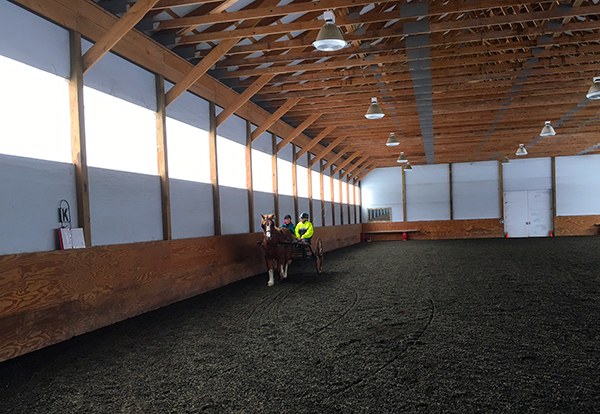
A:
x: 463, y: 326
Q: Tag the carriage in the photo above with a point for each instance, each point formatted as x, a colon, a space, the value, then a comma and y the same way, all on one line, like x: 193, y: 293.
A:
x: 316, y: 253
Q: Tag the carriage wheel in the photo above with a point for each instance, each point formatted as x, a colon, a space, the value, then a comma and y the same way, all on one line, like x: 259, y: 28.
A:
x: 319, y: 256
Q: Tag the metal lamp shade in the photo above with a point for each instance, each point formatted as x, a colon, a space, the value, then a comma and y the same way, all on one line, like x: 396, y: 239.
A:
x: 547, y: 130
x: 594, y: 92
x: 505, y: 160
x: 330, y: 38
x: 407, y: 167
x: 402, y: 159
x: 521, y: 151
x: 392, y: 141
x: 374, y: 111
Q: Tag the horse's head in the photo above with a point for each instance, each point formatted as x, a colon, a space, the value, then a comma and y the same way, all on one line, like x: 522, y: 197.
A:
x: 268, y: 225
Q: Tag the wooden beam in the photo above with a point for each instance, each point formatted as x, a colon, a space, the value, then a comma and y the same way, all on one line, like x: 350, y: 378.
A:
x: 322, y: 188
x: 329, y: 148
x: 307, y: 122
x: 347, y: 161
x: 249, y: 188
x: 310, y: 193
x: 341, y: 202
x: 117, y: 32
x: 332, y: 195
x: 354, y: 200
x: 316, y: 140
x: 244, y: 97
x: 337, y: 156
x: 168, y: 4
x: 450, y: 185
x: 78, y: 142
x: 200, y: 69
x: 364, y: 173
x: 404, y: 195
x: 275, y: 181
x: 163, y: 164
x: 357, y: 164
x: 289, y: 104
x: 295, y: 180
x: 501, y: 189
x: 214, y: 175
x: 347, y: 198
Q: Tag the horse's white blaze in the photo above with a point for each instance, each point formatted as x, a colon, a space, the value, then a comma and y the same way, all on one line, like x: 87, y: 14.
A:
x: 271, y: 281
x: 268, y: 232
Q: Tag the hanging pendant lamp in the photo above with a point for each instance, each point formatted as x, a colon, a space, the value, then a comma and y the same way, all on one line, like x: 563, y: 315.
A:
x: 505, y: 160
x: 547, y: 130
x: 402, y: 159
x: 392, y: 141
x: 521, y: 150
x: 330, y: 36
x: 374, y: 111
x: 407, y: 167
x: 594, y: 92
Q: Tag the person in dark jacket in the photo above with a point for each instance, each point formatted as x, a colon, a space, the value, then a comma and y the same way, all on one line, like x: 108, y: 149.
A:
x: 287, y: 224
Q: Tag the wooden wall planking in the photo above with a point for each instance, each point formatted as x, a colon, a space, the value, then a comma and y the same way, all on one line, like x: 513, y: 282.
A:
x: 438, y: 229
x: 49, y: 297
x: 576, y: 225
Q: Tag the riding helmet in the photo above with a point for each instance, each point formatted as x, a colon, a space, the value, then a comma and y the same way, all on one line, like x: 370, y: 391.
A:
x: 304, y: 215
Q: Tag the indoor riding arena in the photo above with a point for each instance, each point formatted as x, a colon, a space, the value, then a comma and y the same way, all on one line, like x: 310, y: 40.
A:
x: 439, y: 162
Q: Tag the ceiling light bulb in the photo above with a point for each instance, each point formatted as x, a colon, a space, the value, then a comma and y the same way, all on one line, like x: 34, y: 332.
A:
x: 392, y: 141
x: 521, y: 150
x: 547, y: 130
x: 374, y: 111
x: 594, y: 92
x: 330, y: 36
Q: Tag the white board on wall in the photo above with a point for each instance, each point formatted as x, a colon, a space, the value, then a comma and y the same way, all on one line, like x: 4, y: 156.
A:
x: 578, y: 185
x: 476, y: 190
x: 527, y: 174
x: 427, y: 193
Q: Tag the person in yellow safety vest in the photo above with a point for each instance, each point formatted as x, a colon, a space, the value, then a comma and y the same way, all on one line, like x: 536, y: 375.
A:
x: 304, y: 232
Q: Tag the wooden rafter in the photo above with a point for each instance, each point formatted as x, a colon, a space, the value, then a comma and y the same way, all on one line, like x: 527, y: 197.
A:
x: 300, y: 129
x: 244, y: 97
x: 275, y: 117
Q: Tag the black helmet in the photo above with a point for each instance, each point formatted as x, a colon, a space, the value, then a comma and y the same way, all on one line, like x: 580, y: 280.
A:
x: 304, y: 215
x: 287, y: 216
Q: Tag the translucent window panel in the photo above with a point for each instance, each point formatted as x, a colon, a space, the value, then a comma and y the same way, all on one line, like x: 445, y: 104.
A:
x: 188, y: 152
x: 302, y: 180
x: 284, y: 177
x: 327, y: 187
x: 336, y: 190
x: 231, y: 163
x: 262, y: 172
x: 344, y: 192
x: 35, y: 113
x: 316, y: 185
x: 120, y: 135
x: 350, y: 194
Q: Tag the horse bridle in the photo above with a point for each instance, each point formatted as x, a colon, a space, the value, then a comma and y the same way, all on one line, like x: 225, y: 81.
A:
x: 267, y: 228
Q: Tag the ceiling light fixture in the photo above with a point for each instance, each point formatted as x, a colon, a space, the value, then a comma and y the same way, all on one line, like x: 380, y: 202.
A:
x: 407, y: 167
x: 505, y: 160
x: 392, y: 141
x: 521, y: 150
x: 594, y: 92
x: 330, y: 36
x: 402, y: 159
x: 547, y: 130
x: 374, y: 111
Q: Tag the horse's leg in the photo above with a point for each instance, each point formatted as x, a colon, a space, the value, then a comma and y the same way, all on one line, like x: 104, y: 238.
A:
x: 270, y: 267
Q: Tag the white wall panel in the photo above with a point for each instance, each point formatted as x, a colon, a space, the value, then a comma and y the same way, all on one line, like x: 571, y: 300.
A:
x: 476, y: 190
x: 190, y: 109
x: 234, y: 210
x: 302, y: 206
x: 32, y: 40
x: 527, y: 174
x: 427, y: 193
x: 31, y: 191
x: 124, y: 207
x: 263, y: 204
x: 286, y: 206
x: 234, y: 129
x: 316, y: 220
x: 191, y: 209
x: 264, y: 143
x: 383, y: 188
x: 328, y: 213
x: 122, y: 79
x: 578, y: 185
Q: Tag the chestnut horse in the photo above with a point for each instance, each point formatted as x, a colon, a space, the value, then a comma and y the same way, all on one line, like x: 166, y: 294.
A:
x: 278, y: 245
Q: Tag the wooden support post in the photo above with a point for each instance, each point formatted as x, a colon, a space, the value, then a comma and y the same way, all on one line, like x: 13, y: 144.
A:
x: 163, y: 164
x: 404, y: 195
x: 450, y: 184
x: 249, y: 187
x: 78, y: 146
x: 322, y: 192
x: 501, y: 189
x: 553, y: 192
x: 354, y: 199
x: 214, y: 175
x: 359, y: 201
x: 275, y: 183
x: 310, y: 194
x: 295, y: 180
x: 341, y: 202
x: 348, y: 198
x: 332, y: 196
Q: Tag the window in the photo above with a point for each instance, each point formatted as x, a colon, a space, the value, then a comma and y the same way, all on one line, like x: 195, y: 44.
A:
x: 336, y: 190
x: 262, y: 171
x: 316, y: 185
x: 119, y: 135
x: 231, y: 163
x: 188, y: 152
x: 284, y: 177
x: 302, y: 180
x: 35, y: 113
